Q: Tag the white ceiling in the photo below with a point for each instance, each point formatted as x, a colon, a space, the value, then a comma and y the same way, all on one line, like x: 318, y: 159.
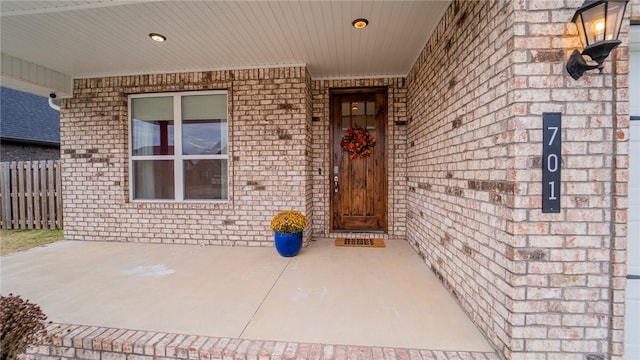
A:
x: 99, y: 38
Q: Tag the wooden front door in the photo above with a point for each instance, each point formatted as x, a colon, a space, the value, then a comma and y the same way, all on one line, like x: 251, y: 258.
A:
x: 359, y: 185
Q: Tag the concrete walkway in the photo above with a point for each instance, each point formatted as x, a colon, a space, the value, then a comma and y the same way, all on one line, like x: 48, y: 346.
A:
x: 382, y: 297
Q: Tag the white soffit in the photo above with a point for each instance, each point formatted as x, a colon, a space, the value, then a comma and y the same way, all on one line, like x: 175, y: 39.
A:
x: 33, y: 78
x: 101, y: 38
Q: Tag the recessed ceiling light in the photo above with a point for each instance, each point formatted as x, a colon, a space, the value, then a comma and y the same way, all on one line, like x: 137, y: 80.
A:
x: 360, y: 23
x: 157, y: 37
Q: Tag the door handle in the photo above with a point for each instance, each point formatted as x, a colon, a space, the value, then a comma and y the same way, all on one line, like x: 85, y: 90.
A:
x: 335, y: 183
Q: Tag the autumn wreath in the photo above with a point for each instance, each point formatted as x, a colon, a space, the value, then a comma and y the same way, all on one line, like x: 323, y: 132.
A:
x: 358, y: 142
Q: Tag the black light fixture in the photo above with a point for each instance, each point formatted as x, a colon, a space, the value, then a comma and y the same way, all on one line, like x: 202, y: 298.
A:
x: 360, y: 23
x: 157, y: 37
x: 598, y: 23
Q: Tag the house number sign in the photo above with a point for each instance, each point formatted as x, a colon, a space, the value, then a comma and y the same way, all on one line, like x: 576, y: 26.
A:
x: 551, y: 162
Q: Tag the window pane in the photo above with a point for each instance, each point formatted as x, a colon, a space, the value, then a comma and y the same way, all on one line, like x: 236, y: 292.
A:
x: 152, y: 108
x: 346, y: 122
x: 152, y: 137
x: 359, y: 120
x: 205, y: 179
x: 358, y: 113
x: 617, y: 11
x: 371, y: 107
x: 153, y: 179
x: 371, y: 122
x: 204, y: 107
x: 357, y: 108
x: 204, y: 129
x: 201, y: 137
x: 152, y: 126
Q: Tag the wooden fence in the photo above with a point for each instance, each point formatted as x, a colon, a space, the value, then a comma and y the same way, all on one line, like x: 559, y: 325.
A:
x: 30, y: 195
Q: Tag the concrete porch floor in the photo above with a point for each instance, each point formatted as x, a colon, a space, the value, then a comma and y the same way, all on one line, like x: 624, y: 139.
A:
x: 384, y: 297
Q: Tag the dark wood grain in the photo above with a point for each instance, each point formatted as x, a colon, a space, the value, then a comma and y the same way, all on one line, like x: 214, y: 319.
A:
x: 361, y: 200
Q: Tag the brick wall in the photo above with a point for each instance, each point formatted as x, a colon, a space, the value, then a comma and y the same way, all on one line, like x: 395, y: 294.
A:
x: 268, y: 159
x: 538, y: 285
x: 634, y: 10
x: 464, y: 173
x: 396, y: 155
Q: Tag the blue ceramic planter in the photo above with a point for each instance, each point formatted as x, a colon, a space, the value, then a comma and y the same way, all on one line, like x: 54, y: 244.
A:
x: 288, y: 245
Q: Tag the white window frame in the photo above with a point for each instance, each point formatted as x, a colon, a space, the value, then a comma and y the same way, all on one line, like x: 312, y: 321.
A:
x: 177, y: 158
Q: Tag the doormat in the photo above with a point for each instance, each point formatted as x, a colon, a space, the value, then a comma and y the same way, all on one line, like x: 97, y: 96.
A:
x: 356, y: 242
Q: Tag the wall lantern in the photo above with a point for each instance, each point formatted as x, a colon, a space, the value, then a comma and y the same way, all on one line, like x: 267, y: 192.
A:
x: 598, y: 23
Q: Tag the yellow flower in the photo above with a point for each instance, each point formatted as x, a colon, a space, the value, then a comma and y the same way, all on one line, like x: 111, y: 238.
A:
x: 288, y: 222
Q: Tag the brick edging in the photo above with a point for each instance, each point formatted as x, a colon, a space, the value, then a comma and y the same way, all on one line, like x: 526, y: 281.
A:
x: 68, y: 341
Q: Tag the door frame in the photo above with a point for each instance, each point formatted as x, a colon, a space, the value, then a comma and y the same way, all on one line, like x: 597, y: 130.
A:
x: 632, y: 288
x: 373, y: 90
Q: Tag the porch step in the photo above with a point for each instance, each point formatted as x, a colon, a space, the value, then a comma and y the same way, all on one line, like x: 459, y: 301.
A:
x: 67, y: 341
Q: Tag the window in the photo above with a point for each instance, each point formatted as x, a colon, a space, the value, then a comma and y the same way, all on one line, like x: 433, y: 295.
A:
x: 358, y: 113
x: 178, y: 146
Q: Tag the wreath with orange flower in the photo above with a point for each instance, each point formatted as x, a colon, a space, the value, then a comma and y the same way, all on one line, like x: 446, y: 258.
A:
x: 358, y: 142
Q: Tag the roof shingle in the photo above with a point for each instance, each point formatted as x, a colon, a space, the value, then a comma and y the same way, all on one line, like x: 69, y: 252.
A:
x: 27, y: 117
